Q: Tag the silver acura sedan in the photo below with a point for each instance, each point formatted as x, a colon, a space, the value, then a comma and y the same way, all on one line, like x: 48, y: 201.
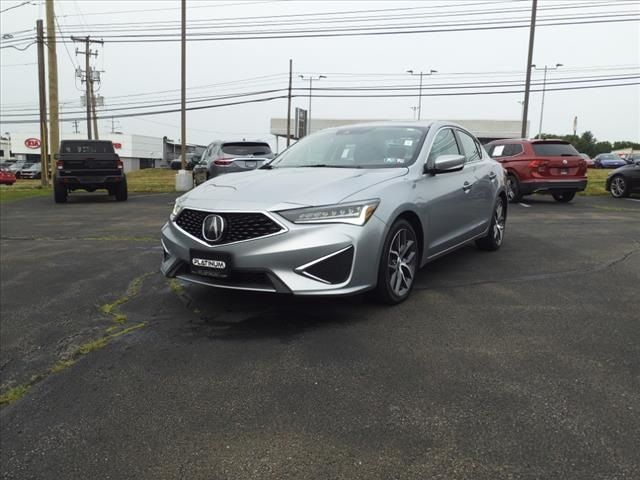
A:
x: 342, y: 211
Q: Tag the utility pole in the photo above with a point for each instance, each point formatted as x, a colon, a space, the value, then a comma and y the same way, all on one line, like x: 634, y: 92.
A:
x: 52, y: 58
x: 544, y: 87
x: 183, y: 113
x: 527, y: 88
x: 75, y: 126
x: 310, y: 78
x: 411, y: 72
x: 289, y: 104
x: 42, y: 90
x: 93, y: 107
x: 87, y: 74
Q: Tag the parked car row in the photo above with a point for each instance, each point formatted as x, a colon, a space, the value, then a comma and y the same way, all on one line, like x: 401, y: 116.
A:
x: 22, y: 169
x: 625, y: 180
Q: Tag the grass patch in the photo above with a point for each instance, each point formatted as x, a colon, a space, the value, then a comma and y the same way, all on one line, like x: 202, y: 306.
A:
x: 15, y: 192
x: 14, y: 394
x: 152, y: 180
x: 596, y: 179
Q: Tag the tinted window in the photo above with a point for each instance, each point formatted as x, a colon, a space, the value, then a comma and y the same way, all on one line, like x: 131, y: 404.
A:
x: 554, y: 149
x: 470, y: 147
x: 444, y: 144
x: 246, y: 148
x: 514, y: 149
x: 87, y: 147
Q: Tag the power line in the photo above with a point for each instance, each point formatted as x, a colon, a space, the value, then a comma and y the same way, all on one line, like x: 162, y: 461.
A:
x: 17, y: 6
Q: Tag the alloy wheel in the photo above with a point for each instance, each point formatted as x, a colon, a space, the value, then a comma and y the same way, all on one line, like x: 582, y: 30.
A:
x: 401, y: 262
x: 618, y: 187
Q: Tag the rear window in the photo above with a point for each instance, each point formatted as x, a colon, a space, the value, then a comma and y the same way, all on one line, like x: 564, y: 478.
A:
x: 555, y: 149
x: 246, y: 148
x: 87, y: 147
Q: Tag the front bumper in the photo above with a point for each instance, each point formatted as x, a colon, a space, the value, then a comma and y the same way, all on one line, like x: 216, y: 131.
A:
x: 528, y: 187
x: 280, y: 263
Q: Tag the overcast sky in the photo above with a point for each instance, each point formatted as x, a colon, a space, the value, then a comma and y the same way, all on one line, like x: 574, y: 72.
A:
x: 587, y: 50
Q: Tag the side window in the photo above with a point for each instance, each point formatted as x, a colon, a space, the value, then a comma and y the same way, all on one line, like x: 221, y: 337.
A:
x: 516, y: 149
x: 497, y: 151
x: 444, y: 144
x: 470, y: 147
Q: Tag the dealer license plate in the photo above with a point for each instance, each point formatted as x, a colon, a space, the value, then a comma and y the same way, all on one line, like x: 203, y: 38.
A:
x: 210, y: 264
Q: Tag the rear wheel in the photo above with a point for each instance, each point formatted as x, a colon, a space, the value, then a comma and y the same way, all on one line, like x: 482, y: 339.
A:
x: 563, y: 197
x: 495, y: 235
x: 398, y: 264
x: 619, y: 187
x: 59, y: 192
x: 513, y: 189
x: 120, y: 190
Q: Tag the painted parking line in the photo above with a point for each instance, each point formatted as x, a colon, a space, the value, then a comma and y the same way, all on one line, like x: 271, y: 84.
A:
x: 634, y: 199
x: 525, y: 205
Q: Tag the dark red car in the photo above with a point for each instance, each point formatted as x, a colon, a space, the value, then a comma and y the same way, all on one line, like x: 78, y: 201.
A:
x: 551, y: 166
x: 7, y: 177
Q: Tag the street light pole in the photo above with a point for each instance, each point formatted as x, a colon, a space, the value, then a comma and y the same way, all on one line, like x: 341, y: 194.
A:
x: 431, y: 72
x: 544, y: 86
x: 310, y: 78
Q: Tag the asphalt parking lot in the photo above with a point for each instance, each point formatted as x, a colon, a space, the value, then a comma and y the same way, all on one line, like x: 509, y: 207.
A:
x: 523, y: 363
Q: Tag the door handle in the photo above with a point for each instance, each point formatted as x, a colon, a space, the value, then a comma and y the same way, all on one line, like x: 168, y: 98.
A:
x: 467, y: 187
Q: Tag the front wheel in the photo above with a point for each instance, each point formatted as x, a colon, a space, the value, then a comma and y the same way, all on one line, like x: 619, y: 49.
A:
x: 563, y: 197
x: 493, y: 240
x: 398, y: 264
x: 619, y: 187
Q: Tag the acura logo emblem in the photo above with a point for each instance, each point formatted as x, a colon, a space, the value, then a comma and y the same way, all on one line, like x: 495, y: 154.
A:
x: 213, y: 228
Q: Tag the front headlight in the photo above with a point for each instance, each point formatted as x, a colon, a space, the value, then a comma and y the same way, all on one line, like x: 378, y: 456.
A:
x: 177, y: 208
x: 356, y: 213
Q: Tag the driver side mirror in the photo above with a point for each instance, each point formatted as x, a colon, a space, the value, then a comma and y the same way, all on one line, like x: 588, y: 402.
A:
x: 446, y: 164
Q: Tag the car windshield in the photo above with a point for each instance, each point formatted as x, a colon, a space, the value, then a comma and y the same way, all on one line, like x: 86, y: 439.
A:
x: 609, y: 156
x: 554, y: 149
x: 358, y: 147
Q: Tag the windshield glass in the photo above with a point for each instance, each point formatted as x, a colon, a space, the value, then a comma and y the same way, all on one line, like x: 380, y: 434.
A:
x: 609, y: 156
x: 359, y: 147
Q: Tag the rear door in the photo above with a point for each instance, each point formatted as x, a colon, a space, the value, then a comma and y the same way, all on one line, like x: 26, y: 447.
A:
x: 482, y: 193
x: 557, y: 160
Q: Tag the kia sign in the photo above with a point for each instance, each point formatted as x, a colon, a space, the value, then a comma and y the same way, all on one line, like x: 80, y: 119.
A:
x: 32, y: 143
x: 117, y: 145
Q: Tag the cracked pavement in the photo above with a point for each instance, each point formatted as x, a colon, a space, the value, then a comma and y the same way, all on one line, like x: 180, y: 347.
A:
x: 523, y: 363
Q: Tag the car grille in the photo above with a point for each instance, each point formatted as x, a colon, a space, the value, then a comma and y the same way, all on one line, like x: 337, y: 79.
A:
x: 238, y: 226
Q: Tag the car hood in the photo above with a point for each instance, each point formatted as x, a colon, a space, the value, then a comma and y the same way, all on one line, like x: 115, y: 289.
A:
x: 283, y: 188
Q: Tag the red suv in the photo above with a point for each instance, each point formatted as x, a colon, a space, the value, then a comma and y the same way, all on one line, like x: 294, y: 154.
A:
x: 552, y: 166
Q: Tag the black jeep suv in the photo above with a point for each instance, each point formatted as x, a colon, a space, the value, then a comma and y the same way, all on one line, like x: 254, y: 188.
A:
x: 88, y: 165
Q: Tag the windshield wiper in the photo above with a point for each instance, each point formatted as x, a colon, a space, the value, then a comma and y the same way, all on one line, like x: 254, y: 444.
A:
x: 268, y: 166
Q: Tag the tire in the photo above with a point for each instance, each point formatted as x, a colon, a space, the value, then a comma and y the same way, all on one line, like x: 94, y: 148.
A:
x: 563, y: 197
x: 121, y: 191
x: 619, y: 187
x: 495, y: 235
x: 513, y: 189
x: 59, y: 192
x: 395, y: 281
